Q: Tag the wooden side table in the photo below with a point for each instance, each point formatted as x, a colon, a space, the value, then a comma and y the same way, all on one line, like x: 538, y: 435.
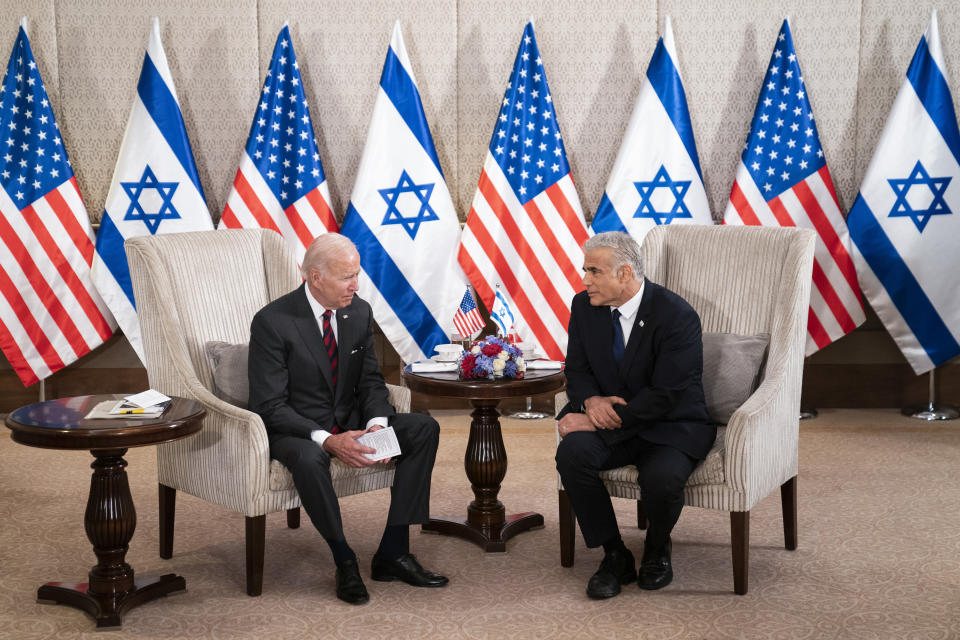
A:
x: 110, y: 518
x: 485, y: 460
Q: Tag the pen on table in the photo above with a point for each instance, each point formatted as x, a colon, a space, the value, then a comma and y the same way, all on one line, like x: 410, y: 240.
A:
x: 126, y: 411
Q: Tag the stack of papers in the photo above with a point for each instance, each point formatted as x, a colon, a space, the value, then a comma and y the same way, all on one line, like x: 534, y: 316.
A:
x: 149, y: 404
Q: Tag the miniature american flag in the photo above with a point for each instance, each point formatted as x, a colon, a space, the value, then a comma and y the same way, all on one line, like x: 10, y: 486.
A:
x: 467, y: 320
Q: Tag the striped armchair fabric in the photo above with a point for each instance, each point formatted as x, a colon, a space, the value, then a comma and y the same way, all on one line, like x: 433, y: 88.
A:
x: 743, y: 280
x: 192, y: 288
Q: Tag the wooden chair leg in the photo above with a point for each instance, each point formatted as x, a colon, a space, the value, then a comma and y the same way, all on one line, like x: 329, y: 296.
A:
x: 293, y: 518
x: 641, y: 516
x: 740, y: 541
x: 256, y: 535
x: 567, y: 528
x: 168, y: 504
x: 788, y: 500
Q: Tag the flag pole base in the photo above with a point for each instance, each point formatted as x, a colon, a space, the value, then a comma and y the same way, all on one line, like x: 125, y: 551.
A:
x: 931, y: 412
x: 808, y: 413
x: 527, y: 413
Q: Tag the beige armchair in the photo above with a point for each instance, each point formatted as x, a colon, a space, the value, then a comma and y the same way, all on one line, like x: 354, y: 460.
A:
x: 191, y: 289
x: 741, y: 280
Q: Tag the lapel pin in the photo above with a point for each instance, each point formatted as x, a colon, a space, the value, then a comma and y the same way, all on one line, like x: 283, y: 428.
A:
x: 345, y: 316
x: 640, y: 323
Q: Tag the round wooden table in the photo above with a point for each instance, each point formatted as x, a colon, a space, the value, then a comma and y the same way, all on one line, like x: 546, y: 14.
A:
x: 110, y: 518
x: 485, y: 460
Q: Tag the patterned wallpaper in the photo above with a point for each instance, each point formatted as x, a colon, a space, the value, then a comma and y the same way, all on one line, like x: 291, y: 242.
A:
x: 853, y: 54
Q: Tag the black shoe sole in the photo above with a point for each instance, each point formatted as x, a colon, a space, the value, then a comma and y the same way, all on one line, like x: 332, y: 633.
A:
x: 604, y: 596
x: 390, y: 578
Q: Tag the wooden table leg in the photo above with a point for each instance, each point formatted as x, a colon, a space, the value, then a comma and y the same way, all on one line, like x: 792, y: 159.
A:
x: 485, y: 462
x: 109, y: 521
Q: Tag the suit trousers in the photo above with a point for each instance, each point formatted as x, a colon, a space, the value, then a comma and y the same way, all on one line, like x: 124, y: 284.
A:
x: 418, y: 435
x: 664, y: 471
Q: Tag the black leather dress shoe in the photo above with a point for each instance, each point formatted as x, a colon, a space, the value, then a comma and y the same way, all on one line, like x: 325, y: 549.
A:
x: 656, y: 570
x: 617, y: 567
x: 405, y: 568
x: 350, y: 585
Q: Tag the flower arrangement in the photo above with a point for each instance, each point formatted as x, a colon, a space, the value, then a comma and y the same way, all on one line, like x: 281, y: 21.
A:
x: 492, y: 357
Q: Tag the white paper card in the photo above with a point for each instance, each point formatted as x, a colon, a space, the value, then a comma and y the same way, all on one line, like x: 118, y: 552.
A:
x: 383, y: 440
x: 544, y: 364
x: 147, y: 398
x: 433, y: 367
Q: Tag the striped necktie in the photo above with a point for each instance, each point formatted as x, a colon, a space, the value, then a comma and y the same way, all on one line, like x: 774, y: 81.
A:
x: 330, y: 342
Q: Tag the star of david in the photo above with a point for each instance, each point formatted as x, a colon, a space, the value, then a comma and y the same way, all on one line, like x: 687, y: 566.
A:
x: 919, y: 177
x: 662, y: 181
x: 164, y: 189
x: 392, y: 196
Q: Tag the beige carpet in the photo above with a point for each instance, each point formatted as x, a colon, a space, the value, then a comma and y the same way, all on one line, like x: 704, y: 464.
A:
x: 879, y: 553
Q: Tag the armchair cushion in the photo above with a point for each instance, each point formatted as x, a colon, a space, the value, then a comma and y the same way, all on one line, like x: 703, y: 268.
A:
x: 731, y: 371
x: 229, y: 365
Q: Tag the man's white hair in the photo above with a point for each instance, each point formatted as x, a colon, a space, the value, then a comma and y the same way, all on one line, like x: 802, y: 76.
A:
x: 625, y: 250
x: 322, y: 249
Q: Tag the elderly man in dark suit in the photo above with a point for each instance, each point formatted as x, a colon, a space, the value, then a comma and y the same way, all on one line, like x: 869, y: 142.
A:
x: 315, y: 381
x: 634, y: 365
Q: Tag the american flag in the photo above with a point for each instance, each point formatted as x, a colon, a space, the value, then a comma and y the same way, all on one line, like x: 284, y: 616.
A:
x: 525, y: 228
x: 783, y: 180
x: 280, y: 184
x: 50, y: 312
x: 467, y: 320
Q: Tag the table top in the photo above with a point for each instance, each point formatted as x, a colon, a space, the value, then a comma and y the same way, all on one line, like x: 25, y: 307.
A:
x: 60, y: 424
x: 449, y: 384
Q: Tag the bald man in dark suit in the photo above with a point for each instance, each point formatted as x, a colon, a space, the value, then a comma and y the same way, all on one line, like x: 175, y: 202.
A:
x: 315, y: 381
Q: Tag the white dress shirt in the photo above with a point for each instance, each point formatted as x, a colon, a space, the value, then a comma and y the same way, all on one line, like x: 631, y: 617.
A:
x: 628, y: 312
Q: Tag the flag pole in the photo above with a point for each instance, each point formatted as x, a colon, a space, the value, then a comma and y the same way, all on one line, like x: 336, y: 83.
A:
x: 932, y: 411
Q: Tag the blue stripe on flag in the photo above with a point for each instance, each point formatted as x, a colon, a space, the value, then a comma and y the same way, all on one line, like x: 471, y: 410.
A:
x: 399, y: 87
x: 606, y: 217
x: 392, y: 284
x: 665, y: 80
x: 165, y: 111
x: 934, y: 94
x: 110, y: 249
x: 907, y: 294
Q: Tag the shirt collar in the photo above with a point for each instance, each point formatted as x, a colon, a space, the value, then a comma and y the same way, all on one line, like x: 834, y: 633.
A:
x: 629, y: 308
x: 315, y: 305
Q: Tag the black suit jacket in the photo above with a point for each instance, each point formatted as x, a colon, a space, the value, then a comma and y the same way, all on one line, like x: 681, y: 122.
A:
x: 659, y: 376
x: 291, y: 382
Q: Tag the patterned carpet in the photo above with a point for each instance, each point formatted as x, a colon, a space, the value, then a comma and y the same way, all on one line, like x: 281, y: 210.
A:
x: 879, y: 553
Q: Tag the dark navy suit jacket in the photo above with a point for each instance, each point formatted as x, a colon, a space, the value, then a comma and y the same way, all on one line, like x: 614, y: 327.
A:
x: 291, y: 382
x: 659, y: 375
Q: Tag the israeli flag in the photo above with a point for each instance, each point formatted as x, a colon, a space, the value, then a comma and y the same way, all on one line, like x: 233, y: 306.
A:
x: 502, y: 314
x: 656, y: 178
x: 402, y: 220
x: 905, y: 222
x: 155, y: 186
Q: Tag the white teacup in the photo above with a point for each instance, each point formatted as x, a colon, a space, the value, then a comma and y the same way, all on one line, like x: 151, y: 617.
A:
x: 528, y: 350
x: 448, y: 352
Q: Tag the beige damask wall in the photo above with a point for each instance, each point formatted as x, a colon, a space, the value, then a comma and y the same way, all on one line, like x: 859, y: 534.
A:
x: 853, y: 53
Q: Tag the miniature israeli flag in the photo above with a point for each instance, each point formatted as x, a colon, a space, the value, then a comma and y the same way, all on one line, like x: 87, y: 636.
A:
x: 656, y: 178
x: 155, y: 186
x: 402, y: 219
x: 502, y: 314
x: 905, y: 222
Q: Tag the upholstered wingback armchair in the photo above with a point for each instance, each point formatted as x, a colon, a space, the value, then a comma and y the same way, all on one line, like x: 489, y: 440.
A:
x: 748, y: 281
x: 196, y: 288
